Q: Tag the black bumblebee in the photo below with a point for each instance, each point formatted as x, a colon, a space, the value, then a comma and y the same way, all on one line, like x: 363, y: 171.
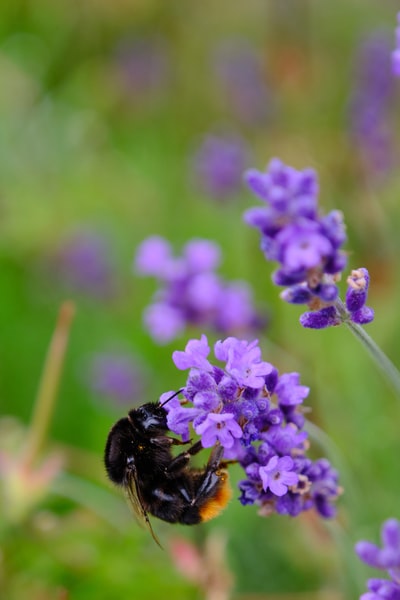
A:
x: 138, y: 456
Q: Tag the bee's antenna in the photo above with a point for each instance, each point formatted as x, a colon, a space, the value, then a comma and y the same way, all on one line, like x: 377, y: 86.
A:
x: 171, y: 397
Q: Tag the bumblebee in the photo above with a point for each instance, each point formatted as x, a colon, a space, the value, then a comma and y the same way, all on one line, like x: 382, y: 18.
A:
x: 138, y: 457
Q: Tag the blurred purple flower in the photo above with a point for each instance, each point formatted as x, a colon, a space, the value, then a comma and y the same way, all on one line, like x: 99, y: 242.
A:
x: 240, y: 76
x: 143, y: 65
x: 386, y: 558
x: 369, y: 110
x: 218, y: 165
x: 83, y: 263
x: 396, y: 51
x: 190, y: 291
x: 116, y: 377
x: 164, y: 322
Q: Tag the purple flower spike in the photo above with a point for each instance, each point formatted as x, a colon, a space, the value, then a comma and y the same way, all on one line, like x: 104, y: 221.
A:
x: 83, y: 263
x: 370, y: 107
x: 191, y: 292
x: 116, y: 377
x: 381, y: 589
x: 240, y: 74
x: 142, y: 68
x: 385, y: 558
x: 256, y: 416
x: 218, y: 165
x: 396, y: 62
x: 306, y: 246
x: 396, y: 52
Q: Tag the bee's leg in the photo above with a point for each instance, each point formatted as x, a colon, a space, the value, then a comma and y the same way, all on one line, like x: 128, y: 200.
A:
x: 212, y: 475
x: 179, y: 462
x: 214, y: 461
x: 176, y: 442
x: 166, y: 441
x: 225, y: 463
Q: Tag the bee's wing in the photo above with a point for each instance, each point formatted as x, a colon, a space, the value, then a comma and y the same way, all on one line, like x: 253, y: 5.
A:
x: 135, y: 500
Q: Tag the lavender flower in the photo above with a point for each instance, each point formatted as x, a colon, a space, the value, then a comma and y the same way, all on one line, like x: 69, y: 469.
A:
x: 218, y: 165
x: 354, y: 309
x: 241, y: 78
x: 278, y: 476
x: 190, y: 292
x: 115, y: 377
x: 306, y: 245
x: 369, y: 106
x: 396, y: 52
x: 356, y: 296
x: 143, y: 66
x: 255, y: 414
x: 385, y: 558
x: 83, y: 263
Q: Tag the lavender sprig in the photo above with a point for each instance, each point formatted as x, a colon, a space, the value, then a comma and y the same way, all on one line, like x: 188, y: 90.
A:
x: 191, y: 292
x: 396, y: 51
x: 218, y: 164
x: 369, y: 107
x: 385, y: 558
x: 256, y: 415
x: 308, y: 249
x: 306, y: 245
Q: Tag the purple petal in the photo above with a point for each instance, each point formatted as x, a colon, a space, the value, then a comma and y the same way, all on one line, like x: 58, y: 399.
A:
x: 194, y: 355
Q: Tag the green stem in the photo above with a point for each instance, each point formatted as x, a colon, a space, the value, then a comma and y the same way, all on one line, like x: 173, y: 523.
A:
x: 383, y: 362
x: 48, y: 387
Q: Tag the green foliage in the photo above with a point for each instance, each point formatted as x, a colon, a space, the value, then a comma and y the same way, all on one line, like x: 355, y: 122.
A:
x: 80, y: 151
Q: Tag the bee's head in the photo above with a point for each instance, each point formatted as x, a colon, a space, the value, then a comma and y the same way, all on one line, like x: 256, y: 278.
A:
x: 150, y: 417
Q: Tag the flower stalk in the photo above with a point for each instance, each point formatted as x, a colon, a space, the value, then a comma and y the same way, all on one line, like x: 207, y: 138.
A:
x: 381, y: 360
x: 48, y: 387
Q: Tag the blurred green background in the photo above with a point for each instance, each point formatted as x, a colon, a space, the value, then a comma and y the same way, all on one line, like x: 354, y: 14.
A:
x: 102, y: 107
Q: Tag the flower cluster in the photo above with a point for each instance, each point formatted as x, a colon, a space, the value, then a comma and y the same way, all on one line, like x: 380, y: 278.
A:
x: 240, y: 74
x: 396, y: 52
x: 256, y: 415
x: 218, y: 165
x: 369, y: 110
x: 355, y: 308
x: 143, y: 67
x: 307, y: 246
x: 191, y: 292
x: 83, y: 263
x: 385, y: 558
x: 116, y: 377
